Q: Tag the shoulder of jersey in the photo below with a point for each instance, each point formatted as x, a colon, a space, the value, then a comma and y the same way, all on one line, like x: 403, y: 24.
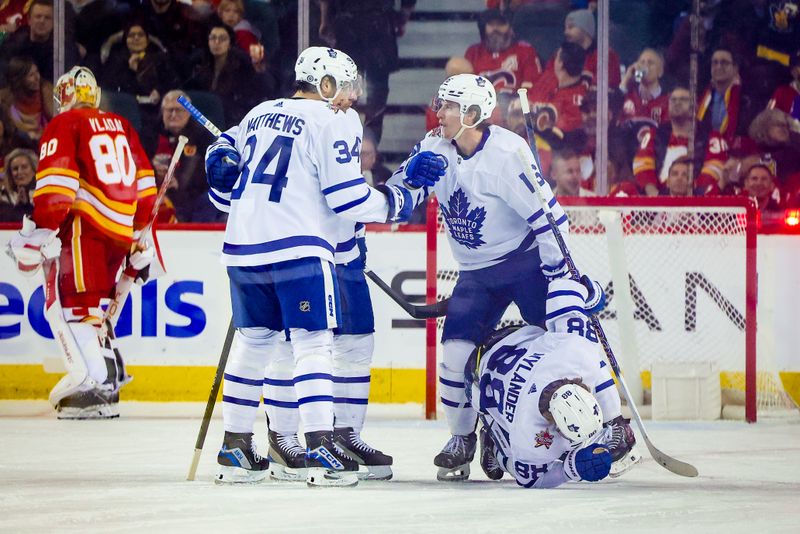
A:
x: 505, y: 140
x: 434, y: 138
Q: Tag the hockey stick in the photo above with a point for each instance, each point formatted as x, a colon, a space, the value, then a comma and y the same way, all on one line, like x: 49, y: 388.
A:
x: 437, y: 309
x: 198, y: 116
x: 535, y: 186
x: 125, y: 283
x: 212, y: 399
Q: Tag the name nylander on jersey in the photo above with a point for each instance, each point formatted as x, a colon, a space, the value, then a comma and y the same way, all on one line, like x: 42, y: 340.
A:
x: 300, y: 173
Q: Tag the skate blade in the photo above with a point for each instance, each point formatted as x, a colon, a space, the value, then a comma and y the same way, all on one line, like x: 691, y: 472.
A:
x: 227, y: 474
x: 287, y: 474
x: 318, y: 477
x: 99, y: 411
x: 454, y: 474
x: 375, y: 472
x: 625, y: 463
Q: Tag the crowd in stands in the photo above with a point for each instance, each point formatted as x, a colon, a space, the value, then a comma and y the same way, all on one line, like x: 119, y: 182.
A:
x: 228, y: 55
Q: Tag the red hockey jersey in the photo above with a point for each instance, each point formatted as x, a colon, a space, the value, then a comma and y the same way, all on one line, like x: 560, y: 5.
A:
x: 91, y: 164
x: 517, y: 66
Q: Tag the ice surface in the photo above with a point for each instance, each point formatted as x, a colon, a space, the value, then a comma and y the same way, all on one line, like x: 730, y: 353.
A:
x: 128, y: 475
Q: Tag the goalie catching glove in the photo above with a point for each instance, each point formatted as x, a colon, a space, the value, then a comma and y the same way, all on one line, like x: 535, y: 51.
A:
x: 424, y: 170
x: 31, y: 246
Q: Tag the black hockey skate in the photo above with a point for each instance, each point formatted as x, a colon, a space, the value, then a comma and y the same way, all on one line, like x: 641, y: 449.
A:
x: 326, y: 464
x: 92, y: 404
x: 489, y: 464
x: 622, y: 446
x: 287, y: 458
x: 453, y: 461
x: 377, y: 463
x: 239, y: 461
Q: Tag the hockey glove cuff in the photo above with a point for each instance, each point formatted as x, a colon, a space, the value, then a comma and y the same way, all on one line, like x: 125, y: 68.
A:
x: 555, y: 272
x: 425, y: 169
x: 222, y: 166
x: 591, y: 464
x: 31, y: 246
x: 400, y: 203
x: 596, y: 299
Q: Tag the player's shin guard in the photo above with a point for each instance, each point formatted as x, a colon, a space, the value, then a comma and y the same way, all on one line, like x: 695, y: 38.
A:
x: 280, y: 399
x: 461, y: 418
x: 352, y: 355
x: 312, y: 378
x: 243, y: 378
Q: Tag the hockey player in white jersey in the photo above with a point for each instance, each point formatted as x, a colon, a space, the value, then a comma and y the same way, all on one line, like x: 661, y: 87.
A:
x: 549, y: 407
x: 352, y: 355
x: 286, y: 174
x: 499, y: 236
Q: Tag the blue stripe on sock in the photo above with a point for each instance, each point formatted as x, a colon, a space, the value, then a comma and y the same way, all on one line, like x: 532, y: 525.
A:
x: 450, y: 403
x: 351, y: 379
x: 241, y: 402
x: 451, y: 383
x: 604, y: 385
x: 315, y: 398
x: 277, y: 382
x: 312, y: 376
x: 280, y: 404
x: 350, y: 400
x: 245, y: 381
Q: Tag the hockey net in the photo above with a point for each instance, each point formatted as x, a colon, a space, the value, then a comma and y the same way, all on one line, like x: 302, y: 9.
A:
x: 691, y: 268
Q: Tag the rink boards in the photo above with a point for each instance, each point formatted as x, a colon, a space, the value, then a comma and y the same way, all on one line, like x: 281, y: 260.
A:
x: 171, y: 330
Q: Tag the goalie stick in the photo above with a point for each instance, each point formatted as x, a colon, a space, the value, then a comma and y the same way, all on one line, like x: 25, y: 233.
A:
x: 535, y: 186
x: 437, y: 309
x: 212, y: 399
x: 126, y: 281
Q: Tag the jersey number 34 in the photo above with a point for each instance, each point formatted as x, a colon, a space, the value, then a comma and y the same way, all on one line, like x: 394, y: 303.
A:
x: 281, y: 148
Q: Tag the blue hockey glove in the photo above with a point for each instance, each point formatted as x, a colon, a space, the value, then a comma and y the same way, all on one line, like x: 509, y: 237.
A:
x: 591, y: 463
x: 400, y: 203
x: 425, y: 169
x: 596, y: 299
x: 222, y: 167
x: 554, y: 272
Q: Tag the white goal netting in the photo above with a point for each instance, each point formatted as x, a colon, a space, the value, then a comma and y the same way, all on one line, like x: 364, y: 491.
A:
x: 691, y: 295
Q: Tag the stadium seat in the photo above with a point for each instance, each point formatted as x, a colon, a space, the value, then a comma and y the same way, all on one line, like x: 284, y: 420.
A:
x: 124, y: 104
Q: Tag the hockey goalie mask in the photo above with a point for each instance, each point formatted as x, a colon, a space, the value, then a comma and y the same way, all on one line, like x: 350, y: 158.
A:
x: 460, y: 93
x: 76, y: 87
x: 317, y: 63
x: 576, y: 413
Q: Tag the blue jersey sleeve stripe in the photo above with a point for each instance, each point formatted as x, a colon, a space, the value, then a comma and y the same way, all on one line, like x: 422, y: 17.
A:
x: 451, y: 383
x: 312, y: 376
x: 229, y: 139
x: 246, y: 381
x: 278, y: 244
x: 539, y: 213
x: 553, y: 268
x: 607, y: 384
x: 450, y: 403
x: 214, y: 196
x: 351, y: 379
x: 352, y: 204
x: 240, y: 402
x: 349, y: 400
x: 562, y: 311
x: 564, y: 293
x: 344, y: 185
x: 280, y: 404
x: 346, y: 246
x: 546, y: 227
x: 277, y: 382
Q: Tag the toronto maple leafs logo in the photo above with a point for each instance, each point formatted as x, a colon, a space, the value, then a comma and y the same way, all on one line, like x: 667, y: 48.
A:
x: 465, y: 224
x: 544, y: 439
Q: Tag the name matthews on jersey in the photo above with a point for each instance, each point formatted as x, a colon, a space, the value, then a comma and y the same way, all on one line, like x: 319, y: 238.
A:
x: 280, y: 122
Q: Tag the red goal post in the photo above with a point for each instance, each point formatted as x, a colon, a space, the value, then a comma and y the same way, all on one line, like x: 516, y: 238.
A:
x: 691, y: 266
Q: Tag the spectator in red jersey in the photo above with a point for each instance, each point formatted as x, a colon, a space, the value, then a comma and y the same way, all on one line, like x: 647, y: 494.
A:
x: 580, y: 28
x: 645, y: 99
x: 28, y: 99
x: 500, y: 57
x: 13, y: 14
x: 248, y: 38
x: 557, y: 108
x: 759, y: 184
x: 679, y: 180
x: 455, y: 65
x: 787, y: 97
x: 659, y: 147
x: 16, y: 188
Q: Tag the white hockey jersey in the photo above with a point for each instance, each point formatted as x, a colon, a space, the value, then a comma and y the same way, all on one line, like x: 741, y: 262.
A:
x: 347, y: 241
x: 513, y: 374
x: 300, y: 172
x: 488, y: 202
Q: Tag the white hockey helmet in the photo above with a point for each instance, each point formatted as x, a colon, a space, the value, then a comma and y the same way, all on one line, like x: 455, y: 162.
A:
x: 576, y: 413
x: 75, y: 87
x: 468, y: 90
x: 316, y: 62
